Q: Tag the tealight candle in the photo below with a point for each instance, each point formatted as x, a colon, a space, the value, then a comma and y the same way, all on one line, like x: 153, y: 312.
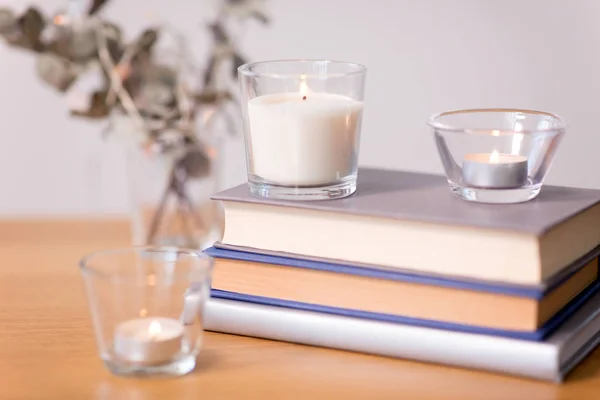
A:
x: 148, y: 340
x: 304, y: 138
x: 497, y: 171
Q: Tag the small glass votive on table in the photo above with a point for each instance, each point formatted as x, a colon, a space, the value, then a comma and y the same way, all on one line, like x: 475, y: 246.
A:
x: 302, y: 127
x: 497, y: 155
x: 146, y: 305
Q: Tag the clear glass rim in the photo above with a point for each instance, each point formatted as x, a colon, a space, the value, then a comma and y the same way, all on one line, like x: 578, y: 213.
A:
x: 87, y: 268
x: 435, y: 123
x: 246, y: 69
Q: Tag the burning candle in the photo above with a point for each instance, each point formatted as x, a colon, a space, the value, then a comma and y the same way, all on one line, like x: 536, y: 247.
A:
x: 303, y: 138
x: 497, y: 171
x: 148, y: 340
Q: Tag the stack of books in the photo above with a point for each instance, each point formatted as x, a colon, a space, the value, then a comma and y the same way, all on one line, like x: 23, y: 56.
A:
x: 404, y: 268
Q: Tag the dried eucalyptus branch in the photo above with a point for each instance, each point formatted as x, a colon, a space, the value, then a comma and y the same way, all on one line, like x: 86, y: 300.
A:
x: 139, y: 85
x: 122, y: 66
x: 116, y: 80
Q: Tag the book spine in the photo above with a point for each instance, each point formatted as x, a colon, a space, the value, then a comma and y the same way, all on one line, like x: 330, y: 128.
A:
x: 507, y: 356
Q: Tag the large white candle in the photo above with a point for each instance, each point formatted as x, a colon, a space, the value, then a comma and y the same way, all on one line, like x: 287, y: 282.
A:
x: 304, y: 138
x: 148, y: 340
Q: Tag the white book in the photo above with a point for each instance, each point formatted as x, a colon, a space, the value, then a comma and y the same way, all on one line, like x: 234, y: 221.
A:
x: 549, y: 360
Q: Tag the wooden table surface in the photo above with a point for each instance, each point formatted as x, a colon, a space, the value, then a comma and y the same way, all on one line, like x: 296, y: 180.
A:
x: 47, y: 350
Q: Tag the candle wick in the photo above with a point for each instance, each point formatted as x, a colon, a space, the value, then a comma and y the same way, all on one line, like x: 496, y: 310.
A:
x: 303, y: 97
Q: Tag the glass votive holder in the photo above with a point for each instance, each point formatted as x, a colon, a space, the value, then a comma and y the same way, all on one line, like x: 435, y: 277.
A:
x: 302, y: 124
x: 146, y: 306
x: 497, y: 155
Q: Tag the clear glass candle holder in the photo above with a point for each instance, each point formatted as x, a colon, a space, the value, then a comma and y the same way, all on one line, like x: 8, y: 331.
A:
x: 302, y: 127
x: 146, y: 305
x: 497, y: 155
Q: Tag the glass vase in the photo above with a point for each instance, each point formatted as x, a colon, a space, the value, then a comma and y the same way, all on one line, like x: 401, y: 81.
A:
x: 173, y: 143
x: 170, y: 194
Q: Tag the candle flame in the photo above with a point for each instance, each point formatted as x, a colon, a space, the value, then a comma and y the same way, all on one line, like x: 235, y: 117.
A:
x: 303, y: 87
x: 494, y: 158
x: 154, y: 329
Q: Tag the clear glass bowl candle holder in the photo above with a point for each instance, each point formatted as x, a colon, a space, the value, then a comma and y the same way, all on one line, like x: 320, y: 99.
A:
x: 302, y: 123
x: 497, y: 155
x: 146, y: 305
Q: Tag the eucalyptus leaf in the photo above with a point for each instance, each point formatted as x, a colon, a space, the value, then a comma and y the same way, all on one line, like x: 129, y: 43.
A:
x: 112, y: 31
x: 98, y: 107
x: 196, y: 162
x: 162, y: 74
x: 147, y: 40
x: 96, y: 6
x: 58, y: 46
x: 82, y: 44
x: 8, y: 21
x: 56, y: 71
x: 31, y: 25
x: 218, y: 32
x: 115, y: 49
x: 155, y: 97
x: 260, y: 16
x: 247, y: 9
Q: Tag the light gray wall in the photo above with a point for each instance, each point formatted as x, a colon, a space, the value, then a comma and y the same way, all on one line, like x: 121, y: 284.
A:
x: 423, y: 56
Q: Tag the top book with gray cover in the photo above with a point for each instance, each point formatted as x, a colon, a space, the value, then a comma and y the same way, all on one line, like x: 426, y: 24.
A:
x: 405, y: 215
x: 427, y: 198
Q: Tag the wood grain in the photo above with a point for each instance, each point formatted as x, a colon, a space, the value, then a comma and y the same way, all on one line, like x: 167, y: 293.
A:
x: 47, y: 350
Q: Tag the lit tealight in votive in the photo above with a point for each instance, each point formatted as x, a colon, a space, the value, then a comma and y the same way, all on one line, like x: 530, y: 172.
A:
x: 148, y: 340
x: 494, y: 171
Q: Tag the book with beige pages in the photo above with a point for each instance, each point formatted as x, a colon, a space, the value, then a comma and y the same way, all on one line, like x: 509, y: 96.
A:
x: 411, y: 221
